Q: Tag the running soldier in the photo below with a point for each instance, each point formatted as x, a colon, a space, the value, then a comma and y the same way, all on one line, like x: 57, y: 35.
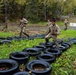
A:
x: 65, y: 23
x: 53, y: 32
x: 23, y: 23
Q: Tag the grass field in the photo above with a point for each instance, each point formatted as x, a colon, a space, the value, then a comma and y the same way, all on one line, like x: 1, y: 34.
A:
x: 64, y: 65
x: 45, y: 23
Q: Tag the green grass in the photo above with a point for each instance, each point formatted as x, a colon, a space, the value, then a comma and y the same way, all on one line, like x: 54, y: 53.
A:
x: 44, y: 23
x: 64, y: 65
x: 6, y: 34
x: 60, y: 23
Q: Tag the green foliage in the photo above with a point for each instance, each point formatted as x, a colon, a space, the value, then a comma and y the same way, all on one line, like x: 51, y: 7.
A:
x: 1, y: 5
x: 32, y: 10
x: 36, y: 10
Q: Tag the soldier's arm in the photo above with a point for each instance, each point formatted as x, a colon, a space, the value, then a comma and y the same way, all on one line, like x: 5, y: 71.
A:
x: 58, y: 30
x: 25, y: 21
x: 48, y: 30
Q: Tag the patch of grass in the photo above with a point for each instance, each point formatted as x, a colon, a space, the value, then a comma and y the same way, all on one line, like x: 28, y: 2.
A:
x: 6, y: 34
x: 45, y: 23
x: 64, y: 65
x: 66, y: 34
x: 60, y: 23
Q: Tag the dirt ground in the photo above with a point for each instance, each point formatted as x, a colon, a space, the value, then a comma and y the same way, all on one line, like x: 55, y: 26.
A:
x: 32, y: 29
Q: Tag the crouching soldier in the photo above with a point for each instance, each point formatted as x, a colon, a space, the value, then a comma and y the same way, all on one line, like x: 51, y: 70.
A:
x: 53, y: 32
x: 23, y: 23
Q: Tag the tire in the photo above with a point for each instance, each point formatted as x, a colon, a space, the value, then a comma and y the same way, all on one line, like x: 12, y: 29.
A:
x: 60, y: 41
x: 31, y: 37
x: 62, y: 48
x: 70, y: 39
x: 8, y: 63
x: 68, y: 43
x: 53, y: 51
x: 39, y: 67
x: 65, y: 45
x: 23, y: 73
x: 2, y: 38
x: 5, y: 41
x: 49, y: 44
x: 32, y: 51
x: 46, y: 57
x: 9, y: 38
x: 42, y: 47
x: 20, y: 57
x: 74, y: 41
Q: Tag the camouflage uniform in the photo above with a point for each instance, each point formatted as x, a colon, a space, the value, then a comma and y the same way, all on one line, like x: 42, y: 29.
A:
x: 65, y: 23
x: 53, y: 31
x: 23, y: 23
x: 48, y: 23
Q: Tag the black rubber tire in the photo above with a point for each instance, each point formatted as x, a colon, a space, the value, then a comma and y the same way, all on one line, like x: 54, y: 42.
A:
x: 9, y: 38
x: 68, y: 43
x: 47, y: 57
x: 5, y: 41
x: 38, y: 63
x: 42, y: 47
x: 32, y: 51
x: 2, y: 38
x: 62, y: 48
x: 60, y: 41
x: 49, y: 44
x: 74, y: 41
x: 11, y: 64
x: 70, y: 39
x: 53, y: 51
x: 23, y: 73
x: 65, y: 45
x: 20, y: 57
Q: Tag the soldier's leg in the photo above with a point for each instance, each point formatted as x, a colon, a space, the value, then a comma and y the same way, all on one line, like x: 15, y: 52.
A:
x: 24, y: 32
x: 21, y: 31
x: 47, y: 38
x: 55, y: 41
x: 65, y: 27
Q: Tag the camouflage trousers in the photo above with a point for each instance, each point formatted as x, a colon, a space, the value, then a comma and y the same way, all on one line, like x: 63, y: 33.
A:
x: 65, y: 28
x: 23, y: 31
x: 54, y: 37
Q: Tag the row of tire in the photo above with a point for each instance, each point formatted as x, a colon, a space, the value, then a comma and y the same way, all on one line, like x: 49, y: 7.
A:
x: 45, y: 54
x: 16, y: 38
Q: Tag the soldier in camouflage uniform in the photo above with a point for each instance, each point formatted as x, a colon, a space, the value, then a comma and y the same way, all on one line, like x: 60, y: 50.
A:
x: 48, y: 23
x: 23, y: 23
x: 65, y: 23
x: 53, y: 32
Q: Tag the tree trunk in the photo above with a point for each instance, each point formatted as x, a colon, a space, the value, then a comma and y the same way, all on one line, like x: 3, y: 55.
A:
x: 6, y: 14
x: 45, y: 9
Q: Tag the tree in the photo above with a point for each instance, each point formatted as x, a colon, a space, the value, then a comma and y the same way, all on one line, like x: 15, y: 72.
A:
x: 6, y: 15
x: 32, y: 10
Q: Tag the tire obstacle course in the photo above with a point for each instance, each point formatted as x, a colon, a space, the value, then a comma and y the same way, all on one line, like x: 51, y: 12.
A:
x: 44, y: 55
